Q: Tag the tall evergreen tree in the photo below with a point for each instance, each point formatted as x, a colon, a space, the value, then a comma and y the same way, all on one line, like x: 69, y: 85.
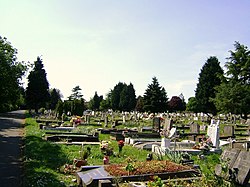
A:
x: 76, y: 93
x: 37, y: 92
x: 115, y: 96
x: 55, y: 97
x: 94, y: 103
x: 132, y: 97
x: 209, y: 78
x: 11, y: 73
x: 155, y: 97
x: 233, y: 95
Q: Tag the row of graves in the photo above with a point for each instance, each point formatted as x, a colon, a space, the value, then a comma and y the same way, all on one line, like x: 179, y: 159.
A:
x: 162, y: 137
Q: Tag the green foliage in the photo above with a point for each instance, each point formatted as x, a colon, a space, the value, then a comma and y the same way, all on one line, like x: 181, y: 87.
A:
x: 192, y: 105
x: 94, y: 103
x: 37, y: 92
x: 233, y: 98
x: 11, y: 72
x: 238, y: 65
x: 233, y: 95
x: 156, y: 182
x: 209, y: 78
x: 55, y: 97
x: 76, y: 93
x: 123, y: 97
x: 155, y: 97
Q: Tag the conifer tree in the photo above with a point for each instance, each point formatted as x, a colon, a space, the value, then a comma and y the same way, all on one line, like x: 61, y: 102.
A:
x: 209, y: 78
x: 155, y: 97
x: 37, y: 92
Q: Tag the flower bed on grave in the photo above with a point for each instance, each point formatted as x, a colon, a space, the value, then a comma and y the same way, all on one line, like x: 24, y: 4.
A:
x: 147, y: 167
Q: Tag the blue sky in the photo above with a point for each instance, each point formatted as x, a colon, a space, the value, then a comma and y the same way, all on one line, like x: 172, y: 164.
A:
x: 97, y: 43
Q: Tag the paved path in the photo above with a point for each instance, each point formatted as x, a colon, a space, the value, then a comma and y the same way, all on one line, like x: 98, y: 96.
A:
x: 11, y: 132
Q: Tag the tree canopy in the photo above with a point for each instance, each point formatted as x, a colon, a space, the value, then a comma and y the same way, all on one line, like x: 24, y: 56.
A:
x: 37, y: 91
x: 155, y: 97
x: 209, y: 78
x: 11, y: 72
x: 233, y: 95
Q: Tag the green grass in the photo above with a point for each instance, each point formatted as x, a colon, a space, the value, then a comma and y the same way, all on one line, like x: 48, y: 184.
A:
x: 43, y: 159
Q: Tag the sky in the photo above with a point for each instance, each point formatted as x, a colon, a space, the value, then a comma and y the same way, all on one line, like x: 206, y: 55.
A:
x: 98, y: 43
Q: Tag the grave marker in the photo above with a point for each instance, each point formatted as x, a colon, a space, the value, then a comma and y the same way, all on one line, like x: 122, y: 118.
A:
x: 213, y: 132
x: 156, y: 124
x: 228, y: 130
x: 195, y: 128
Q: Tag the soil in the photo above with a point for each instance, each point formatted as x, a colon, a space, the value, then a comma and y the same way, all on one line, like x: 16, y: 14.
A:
x: 147, y: 167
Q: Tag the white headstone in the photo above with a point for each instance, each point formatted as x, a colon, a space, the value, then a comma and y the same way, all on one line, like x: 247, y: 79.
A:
x: 213, y: 132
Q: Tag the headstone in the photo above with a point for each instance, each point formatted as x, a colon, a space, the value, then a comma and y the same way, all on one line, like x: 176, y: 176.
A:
x: 203, y: 127
x: 156, y: 124
x: 168, y: 124
x: 228, y: 130
x: 242, y: 164
x: 106, y: 121
x: 123, y: 119
x: 213, y: 133
x: 195, y: 128
x: 248, y: 122
x: 238, y: 163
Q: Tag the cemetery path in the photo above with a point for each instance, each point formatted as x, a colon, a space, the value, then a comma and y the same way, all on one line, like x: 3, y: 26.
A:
x: 11, y: 133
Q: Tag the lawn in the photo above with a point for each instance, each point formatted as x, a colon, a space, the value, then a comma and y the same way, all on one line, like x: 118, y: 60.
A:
x: 44, y: 161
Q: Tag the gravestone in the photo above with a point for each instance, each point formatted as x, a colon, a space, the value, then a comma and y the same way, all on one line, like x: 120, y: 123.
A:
x: 195, y: 128
x: 168, y: 124
x: 228, y: 130
x: 156, y: 124
x: 213, y: 133
x: 238, y: 162
x: 123, y: 119
x: 106, y: 121
x: 203, y: 127
x: 242, y: 164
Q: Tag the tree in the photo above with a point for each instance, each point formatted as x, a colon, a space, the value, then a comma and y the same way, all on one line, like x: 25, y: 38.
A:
x: 76, y: 93
x: 176, y: 104
x: 11, y: 73
x: 209, y: 78
x: 238, y: 66
x: 127, y: 98
x: 233, y: 98
x: 155, y: 97
x: 37, y: 92
x: 94, y: 103
x: 123, y: 97
x: 192, y: 105
x: 139, y: 104
x: 233, y: 95
x: 55, y: 97
x: 115, y: 96
x: 106, y: 103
